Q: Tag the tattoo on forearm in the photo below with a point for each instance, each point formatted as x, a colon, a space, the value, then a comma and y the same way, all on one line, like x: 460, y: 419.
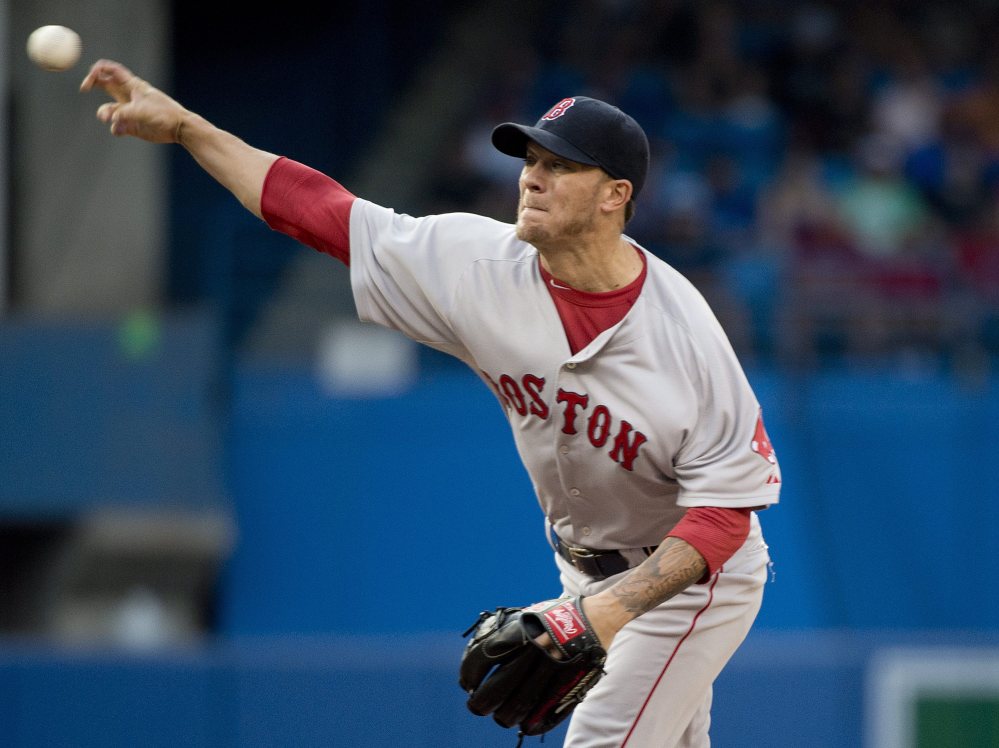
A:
x: 673, y: 567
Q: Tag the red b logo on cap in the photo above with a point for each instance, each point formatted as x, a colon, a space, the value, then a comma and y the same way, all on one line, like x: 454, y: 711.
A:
x: 559, y: 109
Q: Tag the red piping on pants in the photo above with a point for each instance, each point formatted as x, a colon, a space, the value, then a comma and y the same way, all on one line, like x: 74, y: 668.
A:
x: 711, y: 597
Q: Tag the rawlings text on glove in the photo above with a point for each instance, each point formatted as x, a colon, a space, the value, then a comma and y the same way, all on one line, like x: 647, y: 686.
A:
x: 507, y: 674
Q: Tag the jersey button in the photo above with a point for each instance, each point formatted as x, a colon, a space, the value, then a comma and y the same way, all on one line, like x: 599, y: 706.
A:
x: 586, y: 531
x: 571, y: 365
x: 563, y: 450
x: 574, y: 492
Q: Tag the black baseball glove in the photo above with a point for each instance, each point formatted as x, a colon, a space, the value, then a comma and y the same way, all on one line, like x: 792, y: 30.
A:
x: 506, y: 674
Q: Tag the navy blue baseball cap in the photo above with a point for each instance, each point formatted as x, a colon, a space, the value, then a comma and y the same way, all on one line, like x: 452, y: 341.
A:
x: 587, y: 131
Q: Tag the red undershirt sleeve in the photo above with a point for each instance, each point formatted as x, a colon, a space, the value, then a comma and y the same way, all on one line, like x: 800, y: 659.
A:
x: 714, y: 532
x: 308, y: 206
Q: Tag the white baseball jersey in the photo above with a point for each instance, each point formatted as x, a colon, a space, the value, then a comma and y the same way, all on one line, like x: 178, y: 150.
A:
x: 653, y: 416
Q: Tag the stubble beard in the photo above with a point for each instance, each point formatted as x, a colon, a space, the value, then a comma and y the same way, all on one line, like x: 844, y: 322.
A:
x: 532, y: 234
x: 541, y: 235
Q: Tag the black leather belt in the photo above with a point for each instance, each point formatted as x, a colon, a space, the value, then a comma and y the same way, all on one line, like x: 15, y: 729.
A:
x: 596, y: 564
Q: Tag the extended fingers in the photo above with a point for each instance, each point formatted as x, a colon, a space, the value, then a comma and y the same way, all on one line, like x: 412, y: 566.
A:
x: 106, y: 111
x: 112, y: 113
x: 119, y: 82
x: 110, y: 76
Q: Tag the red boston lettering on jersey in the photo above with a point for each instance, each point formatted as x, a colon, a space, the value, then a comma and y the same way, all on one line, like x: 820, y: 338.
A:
x: 559, y: 109
x: 564, y: 622
x: 513, y: 394
x: 572, y: 400
x: 535, y: 386
x: 625, y: 451
x: 526, y: 397
x: 495, y: 388
x: 598, y: 427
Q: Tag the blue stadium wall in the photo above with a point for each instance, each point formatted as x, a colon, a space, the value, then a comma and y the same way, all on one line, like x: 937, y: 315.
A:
x: 373, y: 527
x: 887, y: 515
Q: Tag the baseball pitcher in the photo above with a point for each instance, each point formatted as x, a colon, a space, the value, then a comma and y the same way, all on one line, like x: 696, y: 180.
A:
x: 641, y: 434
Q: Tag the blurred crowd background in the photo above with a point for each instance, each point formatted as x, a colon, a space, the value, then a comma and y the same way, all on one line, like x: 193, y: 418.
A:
x: 825, y: 173
x: 225, y: 504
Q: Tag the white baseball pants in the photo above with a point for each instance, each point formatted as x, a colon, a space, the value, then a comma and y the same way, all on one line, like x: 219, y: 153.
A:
x: 661, y: 666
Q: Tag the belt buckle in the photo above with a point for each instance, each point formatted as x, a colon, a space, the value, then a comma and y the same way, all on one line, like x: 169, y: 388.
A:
x: 580, y: 552
x: 580, y: 556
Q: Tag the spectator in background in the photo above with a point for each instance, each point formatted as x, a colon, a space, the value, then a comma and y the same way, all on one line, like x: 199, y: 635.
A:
x: 797, y: 210
x: 885, y: 215
x: 755, y: 128
x: 681, y: 227
x: 952, y: 171
x: 906, y: 262
x: 802, y: 260
x: 888, y: 116
x: 732, y: 198
x: 907, y: 107
x: 682, y: 235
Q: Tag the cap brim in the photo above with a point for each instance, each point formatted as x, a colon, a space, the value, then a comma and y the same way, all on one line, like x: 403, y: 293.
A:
x: 511, y: 139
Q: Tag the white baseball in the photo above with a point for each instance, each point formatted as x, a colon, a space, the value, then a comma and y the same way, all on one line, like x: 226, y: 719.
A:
x: 54, y: 48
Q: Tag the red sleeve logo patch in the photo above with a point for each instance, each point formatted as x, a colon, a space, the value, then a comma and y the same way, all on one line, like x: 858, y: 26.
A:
x: 761, y: 442
x: 762, y: 446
